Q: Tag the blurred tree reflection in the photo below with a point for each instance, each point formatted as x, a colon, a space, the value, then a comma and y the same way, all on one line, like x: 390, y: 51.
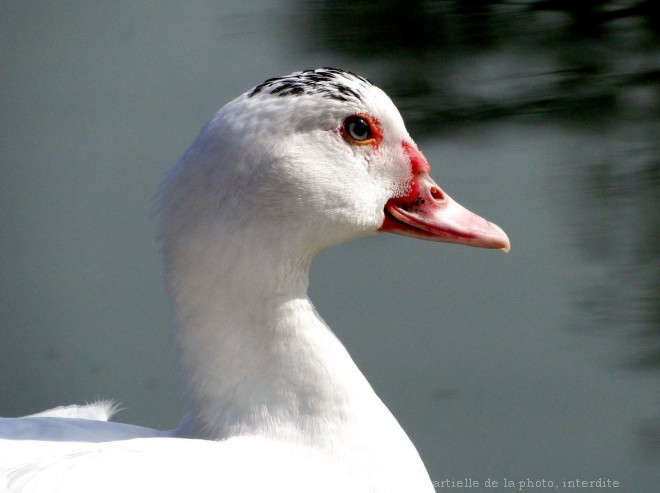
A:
x: 586, y: 50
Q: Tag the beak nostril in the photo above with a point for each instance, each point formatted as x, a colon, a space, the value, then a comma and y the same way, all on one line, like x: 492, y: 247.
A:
x: 437, y: 194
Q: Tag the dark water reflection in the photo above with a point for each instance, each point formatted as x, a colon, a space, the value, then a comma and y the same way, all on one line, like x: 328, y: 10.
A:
x: 577, y: 61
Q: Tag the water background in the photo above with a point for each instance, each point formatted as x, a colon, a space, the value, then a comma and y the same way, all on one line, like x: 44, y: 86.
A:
x: 541, y: 116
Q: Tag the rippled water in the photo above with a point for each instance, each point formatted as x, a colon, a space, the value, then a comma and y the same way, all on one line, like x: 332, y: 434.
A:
x: 540, y: 364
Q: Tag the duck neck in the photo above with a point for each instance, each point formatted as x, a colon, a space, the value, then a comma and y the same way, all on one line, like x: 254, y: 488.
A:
x: 257, y: 358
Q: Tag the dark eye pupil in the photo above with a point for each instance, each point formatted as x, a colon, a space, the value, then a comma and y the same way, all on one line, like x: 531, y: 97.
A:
x: 357, y: 128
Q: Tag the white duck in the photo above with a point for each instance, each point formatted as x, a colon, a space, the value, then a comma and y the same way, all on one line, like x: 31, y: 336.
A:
x: 274, y: 401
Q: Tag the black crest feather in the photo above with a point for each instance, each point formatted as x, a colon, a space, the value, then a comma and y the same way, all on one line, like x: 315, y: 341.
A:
x: 327, y: 82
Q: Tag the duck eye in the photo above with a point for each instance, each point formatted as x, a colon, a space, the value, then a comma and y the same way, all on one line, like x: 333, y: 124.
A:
x: 357, y: 128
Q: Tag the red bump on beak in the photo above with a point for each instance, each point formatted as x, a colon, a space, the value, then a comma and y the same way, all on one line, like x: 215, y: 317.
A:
x: 427, y: 212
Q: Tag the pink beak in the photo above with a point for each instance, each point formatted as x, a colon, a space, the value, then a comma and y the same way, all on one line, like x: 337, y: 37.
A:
x: 428, y: 213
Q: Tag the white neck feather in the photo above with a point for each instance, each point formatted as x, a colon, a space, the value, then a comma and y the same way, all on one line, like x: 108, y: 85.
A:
x: 257, y: 357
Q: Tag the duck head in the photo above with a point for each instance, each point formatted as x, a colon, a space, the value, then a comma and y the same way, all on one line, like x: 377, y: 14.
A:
x: 313, y: 159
